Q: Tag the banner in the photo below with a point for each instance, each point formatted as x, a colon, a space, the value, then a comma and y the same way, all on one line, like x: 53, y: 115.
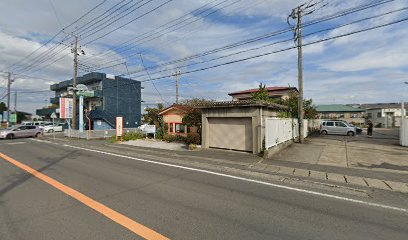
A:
x: 119, y: 126
x: 66, y: 108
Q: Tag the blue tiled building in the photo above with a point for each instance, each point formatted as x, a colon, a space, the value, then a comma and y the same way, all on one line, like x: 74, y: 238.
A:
x: 113, y: 96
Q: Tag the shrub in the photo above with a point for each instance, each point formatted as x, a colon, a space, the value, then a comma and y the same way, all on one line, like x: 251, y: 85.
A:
x: 192, y: 147
x: 193, y: 138
x: 169, y: 138
x: 130, y: 136
x: 174, y: 138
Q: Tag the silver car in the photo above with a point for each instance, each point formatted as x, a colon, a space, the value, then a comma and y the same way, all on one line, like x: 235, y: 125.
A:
x: 337, y: 127
x: 20, y: 132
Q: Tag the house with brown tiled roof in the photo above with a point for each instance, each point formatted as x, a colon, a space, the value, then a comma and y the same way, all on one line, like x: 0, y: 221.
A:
x: 273, y: 92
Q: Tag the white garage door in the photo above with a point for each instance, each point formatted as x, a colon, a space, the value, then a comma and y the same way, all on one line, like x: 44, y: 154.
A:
x: 230, y: 133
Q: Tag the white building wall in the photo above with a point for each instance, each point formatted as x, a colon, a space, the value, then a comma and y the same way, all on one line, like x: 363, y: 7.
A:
x: 280, y: 130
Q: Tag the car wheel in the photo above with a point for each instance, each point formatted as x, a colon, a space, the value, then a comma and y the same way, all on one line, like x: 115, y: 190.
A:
x: 50, y: 131
x: 10, y: 136
x: 324, y: 132
x: 36, y: 135
x: 350, y: 133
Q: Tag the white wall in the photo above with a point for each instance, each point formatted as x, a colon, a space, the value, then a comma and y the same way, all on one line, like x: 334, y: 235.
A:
x: 404, y: 132
x: 280, y: 130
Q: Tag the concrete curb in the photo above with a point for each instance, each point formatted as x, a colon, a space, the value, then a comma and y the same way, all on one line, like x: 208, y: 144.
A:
x: 340, y: 178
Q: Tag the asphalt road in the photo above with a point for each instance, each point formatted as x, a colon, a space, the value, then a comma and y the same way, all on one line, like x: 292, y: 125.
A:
x: 176, y: 203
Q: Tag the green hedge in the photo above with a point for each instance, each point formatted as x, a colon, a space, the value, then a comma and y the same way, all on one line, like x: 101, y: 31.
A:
x: 130, y: 136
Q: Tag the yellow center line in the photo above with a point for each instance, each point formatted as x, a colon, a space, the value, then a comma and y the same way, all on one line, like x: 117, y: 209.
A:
x: 120, y: 219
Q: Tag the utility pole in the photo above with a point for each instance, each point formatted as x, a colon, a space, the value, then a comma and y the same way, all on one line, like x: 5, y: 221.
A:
x: 177, y: 74
x: 74, y: 82
x: 298, y: 13
x: 8, y: 98
x: 300, y: 75
x: 15, y: 102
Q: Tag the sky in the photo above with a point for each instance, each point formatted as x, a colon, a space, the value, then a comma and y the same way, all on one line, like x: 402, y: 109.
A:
x: 367, y: 67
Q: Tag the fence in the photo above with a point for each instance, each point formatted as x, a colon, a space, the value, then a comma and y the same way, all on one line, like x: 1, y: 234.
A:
x: 404, y: 132
x: 280, y: 130
x: 96, y: 134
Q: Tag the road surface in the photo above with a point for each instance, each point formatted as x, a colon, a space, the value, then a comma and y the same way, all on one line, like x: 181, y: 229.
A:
x: 75, y: 193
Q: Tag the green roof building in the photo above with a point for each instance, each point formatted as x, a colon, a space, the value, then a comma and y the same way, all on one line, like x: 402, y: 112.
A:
x: 342, y: 112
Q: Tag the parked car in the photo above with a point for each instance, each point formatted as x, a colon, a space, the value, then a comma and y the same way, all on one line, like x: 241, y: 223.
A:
x: 35, y: 123
x: 21, y: 131
x: 53, y: 128
x: 358, y: 129
x: 43, y: 125
x: 337, y: 127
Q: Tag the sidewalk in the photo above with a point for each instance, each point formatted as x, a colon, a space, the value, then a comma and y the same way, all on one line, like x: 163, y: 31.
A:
x: 248, y: 164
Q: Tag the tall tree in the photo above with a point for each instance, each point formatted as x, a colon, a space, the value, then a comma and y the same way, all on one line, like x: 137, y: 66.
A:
x: 152, y: 116
x: 291, y: 102
x: 261, y: 94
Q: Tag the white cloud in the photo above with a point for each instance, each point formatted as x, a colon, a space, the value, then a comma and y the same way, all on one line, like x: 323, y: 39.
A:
x: 347, y: 69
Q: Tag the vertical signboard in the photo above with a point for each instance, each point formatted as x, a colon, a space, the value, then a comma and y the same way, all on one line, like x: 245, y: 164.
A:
x: 119, y: 128
x: 13, y: 118
x: 66, y: 107
x: 5, y: 115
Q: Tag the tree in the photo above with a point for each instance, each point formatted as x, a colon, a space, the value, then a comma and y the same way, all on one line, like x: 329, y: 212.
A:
x: 193, y: 118
x: 152, y: 116
x: 3, y: 107
x: 261, y: 94
x: 292, y: 102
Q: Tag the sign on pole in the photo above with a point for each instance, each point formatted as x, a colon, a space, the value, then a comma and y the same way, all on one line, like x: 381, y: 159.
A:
x: 53, y: 116
x: 66, y: 108
x: 81, y: 114
x: 119, y: 128
x: 13, y: 118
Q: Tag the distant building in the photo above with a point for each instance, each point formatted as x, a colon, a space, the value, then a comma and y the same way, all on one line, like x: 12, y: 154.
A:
x: 273, y: 92
x: 385, y: 115
x: 341, y: 112
x: 113, y: 96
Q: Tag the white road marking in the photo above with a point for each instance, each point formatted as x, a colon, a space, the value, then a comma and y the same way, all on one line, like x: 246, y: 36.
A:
x: 15, y: 143
x: 371, y: 204
x: 248, y: 180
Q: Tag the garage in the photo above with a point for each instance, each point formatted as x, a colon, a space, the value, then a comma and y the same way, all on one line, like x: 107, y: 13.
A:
x: 236, y: 125
x: 231, y: 133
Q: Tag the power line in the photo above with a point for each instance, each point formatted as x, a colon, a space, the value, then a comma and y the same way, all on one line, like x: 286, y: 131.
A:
x: 27, y: 58
x: 268, y: 35
x: 264, y: 36
x: 282, y: 41
x: 279, y: 51
x: 143, y: 36
x: 154, y: 85
x: 123, y: 25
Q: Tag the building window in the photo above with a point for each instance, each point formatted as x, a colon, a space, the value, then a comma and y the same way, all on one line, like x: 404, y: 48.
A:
x: 369, y: 115
x: 379, y: 114
x: 179, y: 128
x: 171, y: 127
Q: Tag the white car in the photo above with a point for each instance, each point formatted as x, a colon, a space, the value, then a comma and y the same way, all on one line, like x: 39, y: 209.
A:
x: 53, y: 128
